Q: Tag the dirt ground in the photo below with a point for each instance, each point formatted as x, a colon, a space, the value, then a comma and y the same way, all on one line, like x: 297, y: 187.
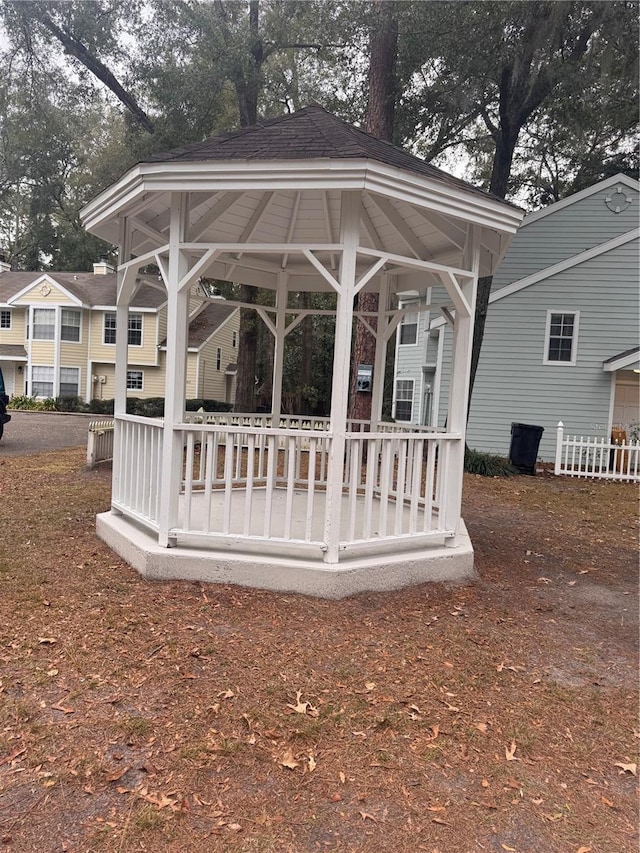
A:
x: 499, y: 715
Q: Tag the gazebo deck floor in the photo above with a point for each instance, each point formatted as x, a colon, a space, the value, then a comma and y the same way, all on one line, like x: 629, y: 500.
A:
x: 297, y: 528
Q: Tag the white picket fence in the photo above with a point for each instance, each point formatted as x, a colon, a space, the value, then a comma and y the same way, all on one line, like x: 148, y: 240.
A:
x: 99, y: 443
x: 597, y: 458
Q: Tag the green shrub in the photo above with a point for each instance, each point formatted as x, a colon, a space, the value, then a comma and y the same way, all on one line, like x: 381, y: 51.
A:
x: 487, y: 464
x: 22, y: 402
x: 151, y: 407
x: 70, y: 404
x: 207, y: 405
x: 100, y: 407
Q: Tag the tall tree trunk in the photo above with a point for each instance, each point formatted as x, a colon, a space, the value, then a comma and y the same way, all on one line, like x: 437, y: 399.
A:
x: 382, y: 92
x: 247, y: 346
x: 247, y: 90
x: 500, y: 173
x: 306, y: 355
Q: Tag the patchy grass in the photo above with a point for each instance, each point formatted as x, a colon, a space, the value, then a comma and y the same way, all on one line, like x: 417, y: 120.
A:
x: 500, y: 715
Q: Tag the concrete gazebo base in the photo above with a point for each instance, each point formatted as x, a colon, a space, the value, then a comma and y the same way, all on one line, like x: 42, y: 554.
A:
x: 139, y: 548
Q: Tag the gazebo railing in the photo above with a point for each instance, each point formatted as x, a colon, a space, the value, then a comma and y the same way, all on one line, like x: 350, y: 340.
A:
x: 269, y: 484
x: 137, y: 467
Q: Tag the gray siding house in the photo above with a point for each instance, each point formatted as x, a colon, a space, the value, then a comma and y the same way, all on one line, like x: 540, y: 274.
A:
x: 562, y: 334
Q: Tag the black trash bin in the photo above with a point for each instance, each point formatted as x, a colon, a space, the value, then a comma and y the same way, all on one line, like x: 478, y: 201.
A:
x: 525, y: 441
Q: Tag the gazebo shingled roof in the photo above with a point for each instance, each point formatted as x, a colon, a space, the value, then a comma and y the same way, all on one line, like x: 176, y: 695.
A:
x: 318, y: 135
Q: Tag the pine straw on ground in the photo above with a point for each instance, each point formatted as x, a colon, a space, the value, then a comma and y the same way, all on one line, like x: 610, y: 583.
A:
x: 498, y: 715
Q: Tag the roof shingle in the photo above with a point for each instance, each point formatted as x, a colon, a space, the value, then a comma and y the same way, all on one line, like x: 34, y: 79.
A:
x: 309, y: 134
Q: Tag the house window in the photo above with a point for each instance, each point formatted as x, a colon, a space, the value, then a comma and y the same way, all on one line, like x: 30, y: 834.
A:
x: 44, y: 324
x: 234, y: 339
x: 135, y: 329
x: 403, y: 406
x: 408, y: 331
x: 70, y: 325
x: 69, y: 381
x: 134, y: 380
x: 41, y: 381
x: 5, y: 320
x: 561, y: 337
x: 218, y: 358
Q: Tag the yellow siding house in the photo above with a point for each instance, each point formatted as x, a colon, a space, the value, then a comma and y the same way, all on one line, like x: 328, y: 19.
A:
x: 58, y: 334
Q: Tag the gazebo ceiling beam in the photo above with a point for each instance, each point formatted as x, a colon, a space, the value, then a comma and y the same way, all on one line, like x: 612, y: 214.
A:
x: 415, y: 263
x: 443, y: 225
x: 252, y: 224
x: 262, y: 248
x: 219, y: 207
x: 292, y: 226
x: 456, y: 293
x: 369, y: 274
x: 149, y: 232
x: 198, y: 269
x: 386, y: 208
x: 371, y: 229
x: 324, y: 272
x: 327, y: 224
x: 146, y: 258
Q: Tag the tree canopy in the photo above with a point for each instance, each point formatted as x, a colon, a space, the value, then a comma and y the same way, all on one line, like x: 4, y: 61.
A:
x: 531, y: 100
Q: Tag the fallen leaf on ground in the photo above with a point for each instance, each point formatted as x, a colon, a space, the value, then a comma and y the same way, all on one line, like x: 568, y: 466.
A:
x: 367, y: 816
x: 627, y: 768
x: 288, y: 760
x: 12, y: 757
x: 509, y: 752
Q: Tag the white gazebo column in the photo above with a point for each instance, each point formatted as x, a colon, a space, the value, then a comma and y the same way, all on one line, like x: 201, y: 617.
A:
x: 349, y: 236
x: 459, y: 388
x: 177, y: 323
x: 278, y: 352
x: 125, y: 284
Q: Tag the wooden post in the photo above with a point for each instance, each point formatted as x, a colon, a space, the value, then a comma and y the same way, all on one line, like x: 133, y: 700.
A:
x: 559, y: 440
x: 459, y: 389
x: 377, y: 396
x: 123, y: 296
x: 278, y: 352
x: 177, y: 320
x: 349, y: 237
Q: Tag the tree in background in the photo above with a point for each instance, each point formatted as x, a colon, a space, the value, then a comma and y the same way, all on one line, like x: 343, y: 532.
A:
x: 526, y: 67
x: 534, y: 98
x: 382, y: 92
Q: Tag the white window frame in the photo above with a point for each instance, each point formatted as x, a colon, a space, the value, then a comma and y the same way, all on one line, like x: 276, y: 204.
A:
x: 79, y: 326
x: 136, y: 387
x: 411, y: 303
x: 218, y: 358
x: 574, y: 340
x: 8, y: 314
x: 409, y: 400
x: 78, y: 373
x: 234, y: 339
x: 50, y: 369
x: 111, y: 315
x: 53, y: 324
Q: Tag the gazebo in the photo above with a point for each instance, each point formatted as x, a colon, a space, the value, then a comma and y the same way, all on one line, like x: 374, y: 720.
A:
x: 324, y: 506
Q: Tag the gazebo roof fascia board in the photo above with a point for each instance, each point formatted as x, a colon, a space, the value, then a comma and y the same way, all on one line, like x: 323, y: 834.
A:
x: 216, y: 176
